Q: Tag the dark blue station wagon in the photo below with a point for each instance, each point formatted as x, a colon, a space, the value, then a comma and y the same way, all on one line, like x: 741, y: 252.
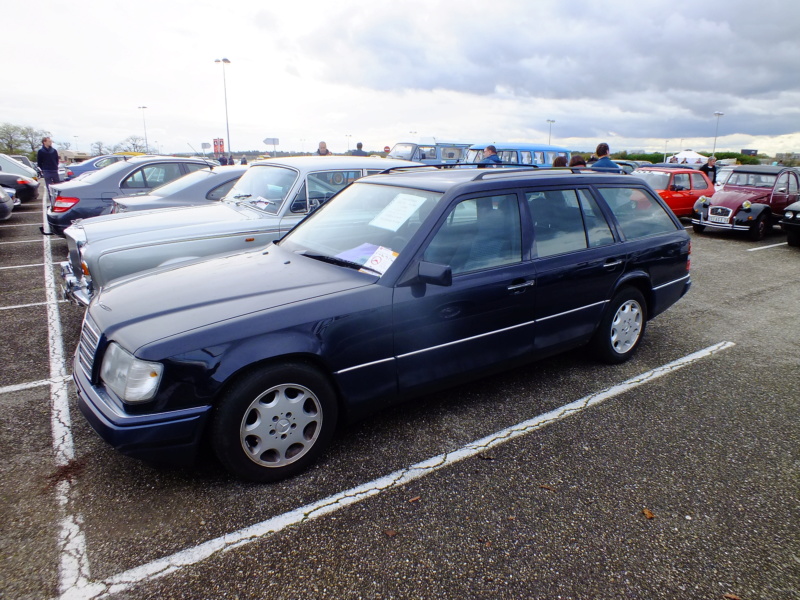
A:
x: 402, y: 284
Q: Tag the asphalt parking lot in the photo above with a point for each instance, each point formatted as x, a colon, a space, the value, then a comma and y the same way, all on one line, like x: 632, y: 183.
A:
x: 675, y: 475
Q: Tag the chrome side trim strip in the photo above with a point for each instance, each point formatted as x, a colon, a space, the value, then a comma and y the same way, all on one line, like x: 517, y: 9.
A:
x: 575, y: 310
x: 684, y: 278
x: 369, y: 364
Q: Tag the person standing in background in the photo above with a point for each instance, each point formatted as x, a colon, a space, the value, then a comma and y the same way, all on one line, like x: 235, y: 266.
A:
x: 710, y: 169
x: 47, y: 160
x: 359, y: 151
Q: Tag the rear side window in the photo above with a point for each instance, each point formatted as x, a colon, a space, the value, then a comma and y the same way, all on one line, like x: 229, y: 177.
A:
x: 219, y: 192
x: 639, y: 214
x: 566, y: 221
x: 698, y: 182
x: 153, y: 176
x: 192, y: 167
x: 680, y: 182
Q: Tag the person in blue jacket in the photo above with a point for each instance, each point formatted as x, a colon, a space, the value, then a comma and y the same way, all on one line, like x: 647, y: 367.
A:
x: 603, y: 160
x: 490, y: 156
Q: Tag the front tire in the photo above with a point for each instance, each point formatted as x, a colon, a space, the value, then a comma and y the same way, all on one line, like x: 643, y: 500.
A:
x: 622, y: 327
x: 698, y: 228
x: 274, y: 422
x: 758, y: 231
x: 793, y: 238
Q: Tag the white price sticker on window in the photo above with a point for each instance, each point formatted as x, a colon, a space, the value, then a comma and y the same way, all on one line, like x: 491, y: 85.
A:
x: 397, y: 212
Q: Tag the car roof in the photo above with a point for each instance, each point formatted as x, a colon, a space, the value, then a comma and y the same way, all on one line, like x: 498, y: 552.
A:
x: 335, y: 162
x: 667, y: 169
x: 519, y: 146
x: 441, y: 180
x: 762, y: 169
x: 135, y: 160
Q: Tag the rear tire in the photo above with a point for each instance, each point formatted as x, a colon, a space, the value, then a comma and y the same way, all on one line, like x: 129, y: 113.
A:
x: 274, y: 422
x: 622, y: 327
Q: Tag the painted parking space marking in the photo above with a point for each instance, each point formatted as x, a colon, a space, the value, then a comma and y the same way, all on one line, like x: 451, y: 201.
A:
x: 22, y: 266
x: 21, y: 242
x: 75, y: 583
x: 765, y: 247
x: 32, y: 384
x: 29, y: 305
x: 20, y: 225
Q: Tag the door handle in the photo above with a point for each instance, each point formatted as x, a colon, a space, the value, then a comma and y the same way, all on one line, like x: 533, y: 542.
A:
x: 612, y: 263
x: 521, y: 286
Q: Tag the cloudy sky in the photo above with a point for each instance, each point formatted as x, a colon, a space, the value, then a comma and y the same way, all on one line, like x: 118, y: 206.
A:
x: 640, y: 75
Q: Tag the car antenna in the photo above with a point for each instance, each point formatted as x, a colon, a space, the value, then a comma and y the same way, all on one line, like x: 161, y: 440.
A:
x: 208, y: 162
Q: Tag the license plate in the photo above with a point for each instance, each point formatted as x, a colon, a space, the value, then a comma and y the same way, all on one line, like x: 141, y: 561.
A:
x: 716, y: 219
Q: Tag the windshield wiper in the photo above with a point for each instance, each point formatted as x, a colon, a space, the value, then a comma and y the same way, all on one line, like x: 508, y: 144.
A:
x: 240, y: 196
x: 334, y: 260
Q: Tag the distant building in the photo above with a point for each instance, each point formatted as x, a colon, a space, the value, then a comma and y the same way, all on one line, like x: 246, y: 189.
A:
x: 747, y: 152
x: 788, y: 156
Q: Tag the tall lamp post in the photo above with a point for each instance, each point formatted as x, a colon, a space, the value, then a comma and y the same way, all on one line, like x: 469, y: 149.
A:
x: 144, y: 123
x: 348, y: 136
x: 225, y: 61
x: 716, y: 130
x: 550, y: 131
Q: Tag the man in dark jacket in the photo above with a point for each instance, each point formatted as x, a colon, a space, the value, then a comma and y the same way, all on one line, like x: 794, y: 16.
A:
x: 710, y: 169
x: 47, y: 160
x: 359, y: 151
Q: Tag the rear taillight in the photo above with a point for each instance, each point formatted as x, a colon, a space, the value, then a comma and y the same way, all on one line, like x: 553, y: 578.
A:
x: 689, y: 257
x: 63, y: 203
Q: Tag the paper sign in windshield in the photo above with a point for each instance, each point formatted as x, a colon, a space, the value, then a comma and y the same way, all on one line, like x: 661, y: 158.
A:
x: 397, y: 212
x: 381, y: 260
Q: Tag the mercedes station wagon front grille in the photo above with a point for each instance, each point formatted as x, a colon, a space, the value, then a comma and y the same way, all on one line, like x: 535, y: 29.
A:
x: 87, y: 347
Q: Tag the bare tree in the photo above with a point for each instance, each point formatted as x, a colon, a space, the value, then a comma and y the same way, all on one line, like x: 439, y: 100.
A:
x: 63, y: 145
x: 132, y: 143
x: 98, y: 148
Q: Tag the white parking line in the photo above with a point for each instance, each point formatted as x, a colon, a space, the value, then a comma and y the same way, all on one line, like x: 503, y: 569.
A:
x: 29, y: 305
x: 83, y: 589
x: 22, y: 241
x: 765, y: 247
x: 32, y: 384
x: 20, y: 225
x: 22, y: 266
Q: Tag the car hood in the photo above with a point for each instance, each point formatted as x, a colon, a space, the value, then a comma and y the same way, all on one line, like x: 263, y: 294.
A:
x: 149, y: 307
x: 732, y: 197
x: 175, y: 222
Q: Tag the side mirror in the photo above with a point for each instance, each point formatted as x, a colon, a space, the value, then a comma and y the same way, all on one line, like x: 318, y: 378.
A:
x: 435, y: 274
x: 781, y: 190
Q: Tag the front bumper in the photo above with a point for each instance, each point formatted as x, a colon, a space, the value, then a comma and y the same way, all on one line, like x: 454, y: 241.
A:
x: 75, y: 289
x: 170, y: 437
x: 730, y: 225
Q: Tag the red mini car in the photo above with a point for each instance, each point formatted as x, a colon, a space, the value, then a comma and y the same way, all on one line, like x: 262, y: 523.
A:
x: 753, y: 199
x: 680, y: 188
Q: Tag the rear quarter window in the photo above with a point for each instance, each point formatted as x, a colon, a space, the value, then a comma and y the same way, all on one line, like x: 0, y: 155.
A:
x: 638, y: 213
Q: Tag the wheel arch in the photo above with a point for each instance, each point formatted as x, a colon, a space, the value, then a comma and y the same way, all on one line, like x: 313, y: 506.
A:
x: 641, y: 282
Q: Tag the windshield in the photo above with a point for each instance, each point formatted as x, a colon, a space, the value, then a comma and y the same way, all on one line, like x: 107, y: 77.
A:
x: 656, y: 179
x: 264, y: 187
x: 758, y: 180
x: 722, y: 176
x: 403, y: 151
x: 366, y: 225
x: 108, y: 171
x: 180, y: 184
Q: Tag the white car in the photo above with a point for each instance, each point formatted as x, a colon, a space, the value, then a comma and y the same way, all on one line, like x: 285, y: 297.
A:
x: 270, y: 198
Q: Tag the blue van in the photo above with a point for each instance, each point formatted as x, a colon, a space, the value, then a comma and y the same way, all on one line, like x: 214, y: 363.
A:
x: 541, y: 155
x: 437, y: 153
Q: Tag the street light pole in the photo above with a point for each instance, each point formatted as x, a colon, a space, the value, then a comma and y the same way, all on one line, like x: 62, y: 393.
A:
x: 550, y: 122
x: 716, y: 130
x: 225, y: 61
x: 348, y: 136
x: 144, y: 123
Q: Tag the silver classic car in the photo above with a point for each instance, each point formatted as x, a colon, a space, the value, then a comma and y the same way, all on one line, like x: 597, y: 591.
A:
x: 271, y: 197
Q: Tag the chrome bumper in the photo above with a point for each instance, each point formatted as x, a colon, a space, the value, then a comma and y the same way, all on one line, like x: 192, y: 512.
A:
x: 706, y: 223
x: 74, y: 289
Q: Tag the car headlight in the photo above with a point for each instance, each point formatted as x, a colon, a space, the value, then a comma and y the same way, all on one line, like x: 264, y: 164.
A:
x: 788, y: 215
x: 131, y: 379
x: 746, y: 205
